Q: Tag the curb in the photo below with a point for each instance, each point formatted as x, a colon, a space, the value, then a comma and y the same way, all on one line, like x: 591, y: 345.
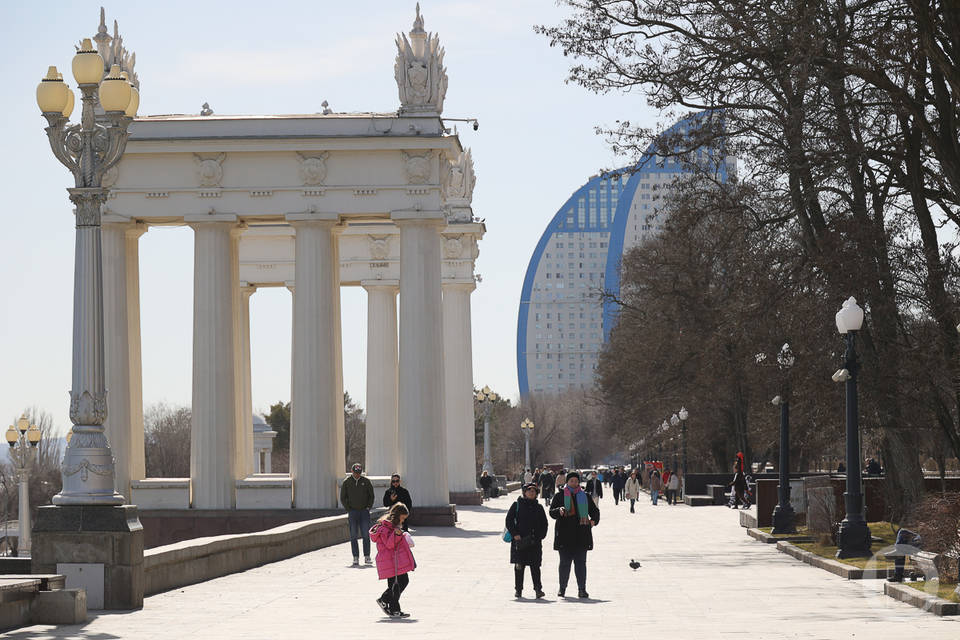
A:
x: 769, y: 538
x: 833, y: 566
x: 925, y: 601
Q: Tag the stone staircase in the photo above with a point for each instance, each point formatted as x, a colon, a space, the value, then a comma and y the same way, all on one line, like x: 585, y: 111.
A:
x: 39, y: 599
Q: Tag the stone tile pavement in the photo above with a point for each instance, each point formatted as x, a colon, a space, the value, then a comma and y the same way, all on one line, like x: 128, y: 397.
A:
x: 701, y: 577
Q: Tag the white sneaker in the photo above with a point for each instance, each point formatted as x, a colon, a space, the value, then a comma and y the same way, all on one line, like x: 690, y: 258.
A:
x: 367, y: 559
x: 356, y: 562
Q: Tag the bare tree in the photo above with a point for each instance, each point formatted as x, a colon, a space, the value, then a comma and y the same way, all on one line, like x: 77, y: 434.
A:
x: 167, y: 441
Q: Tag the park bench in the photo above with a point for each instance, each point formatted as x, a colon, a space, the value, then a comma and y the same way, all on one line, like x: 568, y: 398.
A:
x: 925, y: 561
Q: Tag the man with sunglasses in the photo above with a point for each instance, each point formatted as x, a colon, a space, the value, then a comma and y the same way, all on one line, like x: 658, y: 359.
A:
x: 395, y: 493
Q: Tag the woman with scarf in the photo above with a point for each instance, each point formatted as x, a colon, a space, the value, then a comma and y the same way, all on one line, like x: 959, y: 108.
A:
x: 527, y: 524
x: 576, y: 515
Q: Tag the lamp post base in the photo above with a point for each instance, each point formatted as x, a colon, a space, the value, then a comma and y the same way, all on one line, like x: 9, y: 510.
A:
x: 783, y: 519
x: 853, y: 539
x: 101, y: 545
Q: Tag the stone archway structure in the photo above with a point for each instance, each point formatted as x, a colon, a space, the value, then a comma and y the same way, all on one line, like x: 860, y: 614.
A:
x: 312, y: 203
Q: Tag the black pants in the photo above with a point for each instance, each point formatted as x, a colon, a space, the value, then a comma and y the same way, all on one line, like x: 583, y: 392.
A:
x: 395, y: 587
x: 534, y: 575
x: 617, y: 495
x: 579, y: 560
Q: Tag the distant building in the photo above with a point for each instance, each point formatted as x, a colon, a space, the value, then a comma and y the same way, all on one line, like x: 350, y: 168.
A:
x: 263, y: 437
x: 562, y: 324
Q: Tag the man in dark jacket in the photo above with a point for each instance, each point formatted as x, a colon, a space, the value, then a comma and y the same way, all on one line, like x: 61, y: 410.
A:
x: 576, y: 515
x: 548, y: 484
x: 356, y: 496
x: 593, y: 486
x: 619, y: 482
x: 396, y: 493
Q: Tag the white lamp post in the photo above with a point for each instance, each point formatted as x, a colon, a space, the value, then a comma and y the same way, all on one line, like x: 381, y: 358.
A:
x: 23, y: 440
x: 88, y: 149
x: 486, y: 397
x: 527, y: 427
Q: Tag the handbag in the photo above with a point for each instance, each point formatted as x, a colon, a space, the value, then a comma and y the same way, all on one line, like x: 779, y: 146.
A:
x: 506, y: 535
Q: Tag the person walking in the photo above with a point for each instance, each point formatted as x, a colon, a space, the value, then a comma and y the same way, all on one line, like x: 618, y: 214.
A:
x: 356, y: 496
x: 593, y: 486
x: 576, y: 514
x: 527, y: 523
x: 739, y: 481
x: 631, y: 490
x: 486, y: 481
x: 655, y: 486
x: 673, y: 488
x: 527, y: 476
x: 560, y: 480
x: 396, y: 493
x: 619, y: 482
x: 394, y: 558
x: 547, y: 486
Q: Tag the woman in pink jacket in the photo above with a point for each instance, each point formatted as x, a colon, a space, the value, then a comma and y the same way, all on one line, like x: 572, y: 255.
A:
x: 394, y: 558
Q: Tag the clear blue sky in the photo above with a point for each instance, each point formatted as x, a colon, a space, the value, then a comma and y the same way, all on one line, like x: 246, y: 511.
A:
x: 535, y: 146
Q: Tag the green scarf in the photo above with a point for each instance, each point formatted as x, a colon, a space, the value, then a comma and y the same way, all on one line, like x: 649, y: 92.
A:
x: 582, y: 509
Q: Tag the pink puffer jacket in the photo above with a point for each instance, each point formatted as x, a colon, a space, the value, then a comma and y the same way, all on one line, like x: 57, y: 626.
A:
x: 394, y: 556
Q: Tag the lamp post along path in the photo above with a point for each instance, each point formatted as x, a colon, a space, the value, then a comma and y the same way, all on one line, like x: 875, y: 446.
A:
x: 88, y: 521
x: 486, y: 397
x: 783, y: 513
x: 23, y: 440
x: 88, y: 150
x: 527, y: 427
x: 853, y: 539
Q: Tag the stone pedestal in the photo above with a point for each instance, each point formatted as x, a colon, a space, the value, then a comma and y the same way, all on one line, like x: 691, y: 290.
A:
x: 474, y: 497
x: 101, y: 538
x: 433, y: 516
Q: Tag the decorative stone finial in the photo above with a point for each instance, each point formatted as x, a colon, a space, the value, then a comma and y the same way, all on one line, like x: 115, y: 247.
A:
x: 112, y: 51
x: 419, y: 71
x: 205, y: 110
x: 458, y: 182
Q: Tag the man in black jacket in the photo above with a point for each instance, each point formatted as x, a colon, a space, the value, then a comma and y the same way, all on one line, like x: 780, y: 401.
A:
x: 576, y: 514
x: 395, y: 493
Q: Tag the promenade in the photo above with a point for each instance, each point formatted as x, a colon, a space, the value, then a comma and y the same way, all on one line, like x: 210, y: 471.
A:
x: 701, y: 577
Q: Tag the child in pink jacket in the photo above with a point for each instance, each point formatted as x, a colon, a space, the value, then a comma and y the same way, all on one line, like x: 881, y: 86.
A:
x: 394, y: 558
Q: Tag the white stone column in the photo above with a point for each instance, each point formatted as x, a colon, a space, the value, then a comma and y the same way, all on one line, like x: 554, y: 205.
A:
x: 213, y: 436
x: 422, y: 438
x: 381, y: 436
x: 458, y: 389
x: 249, y: 460
x: 121, y: 320
x: 316, y: 452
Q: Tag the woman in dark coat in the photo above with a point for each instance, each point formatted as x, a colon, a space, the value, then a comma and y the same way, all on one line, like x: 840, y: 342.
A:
x: 576, y: 514
x: 739, y: 481
x: 527, y: 523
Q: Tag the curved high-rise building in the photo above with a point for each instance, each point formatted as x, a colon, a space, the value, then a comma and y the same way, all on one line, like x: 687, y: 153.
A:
x: 562, y: 323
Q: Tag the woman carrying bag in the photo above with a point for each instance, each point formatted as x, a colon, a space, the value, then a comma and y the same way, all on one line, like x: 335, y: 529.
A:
x: 527, y: 523
x: 394, y: 558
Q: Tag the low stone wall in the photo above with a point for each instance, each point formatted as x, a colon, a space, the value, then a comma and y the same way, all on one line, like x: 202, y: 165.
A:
x: 191, y: 561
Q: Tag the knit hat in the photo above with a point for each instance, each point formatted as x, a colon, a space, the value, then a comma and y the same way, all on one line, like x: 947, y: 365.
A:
x: 530, y: 485
x: 573, y: 474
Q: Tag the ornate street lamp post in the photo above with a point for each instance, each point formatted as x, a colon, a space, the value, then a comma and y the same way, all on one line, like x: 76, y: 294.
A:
x: 853, y: 539
x: 783, y: 514
x: 527, y: 428
x: 23, y: 440
x: 486, y: 397
x: 675, y: 421
x: 683, y: 415
x: 88, y: 149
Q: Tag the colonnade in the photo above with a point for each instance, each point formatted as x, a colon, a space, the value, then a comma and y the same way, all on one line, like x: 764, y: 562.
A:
x: 419, y: 376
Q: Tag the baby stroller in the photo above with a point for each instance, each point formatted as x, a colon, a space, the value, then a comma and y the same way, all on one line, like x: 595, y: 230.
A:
x: 747, y: 495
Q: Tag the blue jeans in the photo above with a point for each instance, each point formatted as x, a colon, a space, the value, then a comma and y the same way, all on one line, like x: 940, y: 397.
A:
x: 359, y: 520
x: 654, y: 495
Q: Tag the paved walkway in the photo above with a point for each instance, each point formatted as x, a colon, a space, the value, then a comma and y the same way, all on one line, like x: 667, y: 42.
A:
x: 701, y: 577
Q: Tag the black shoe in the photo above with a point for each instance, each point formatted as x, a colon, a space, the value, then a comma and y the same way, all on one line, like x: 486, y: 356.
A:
x: 518, y: 594
x: 561, y: 593
x: 583, y: 594
x: 540, y: 593
x: 895, y: 578
x: 384, y: 605
x: 400, y: 614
